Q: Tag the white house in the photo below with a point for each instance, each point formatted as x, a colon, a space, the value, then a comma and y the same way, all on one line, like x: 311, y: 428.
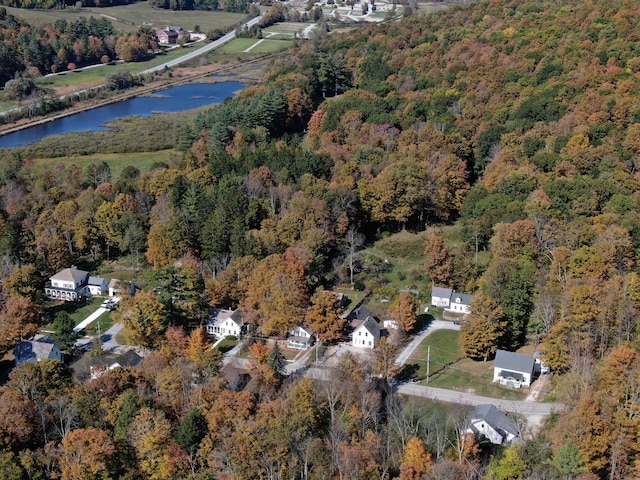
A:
x: 97, y: 285
x: 495, y: 426
x: 440, y: 297
x: 223, y: 323
x: 300, y: 338
x: 40, y: 348
x: 513, y: 369
x: 69, y: 284
x: 459, y: 303
x: 367, y: 334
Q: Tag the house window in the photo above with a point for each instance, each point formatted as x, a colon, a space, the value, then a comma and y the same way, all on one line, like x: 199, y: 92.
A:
x: 360, y: 333
x: 366, y: 334
x: 369, y: 342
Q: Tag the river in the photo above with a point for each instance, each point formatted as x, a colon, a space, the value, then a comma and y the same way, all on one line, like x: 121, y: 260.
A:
x: 174, y: 99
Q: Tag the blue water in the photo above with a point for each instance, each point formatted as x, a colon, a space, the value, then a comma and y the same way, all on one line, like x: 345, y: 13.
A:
x: 174, y: 99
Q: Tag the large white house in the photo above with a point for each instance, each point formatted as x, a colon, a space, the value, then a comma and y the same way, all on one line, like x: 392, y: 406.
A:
x: 513, y: 369
x: 300, y: 338
x: 69, y: 284
x: 223, y: 323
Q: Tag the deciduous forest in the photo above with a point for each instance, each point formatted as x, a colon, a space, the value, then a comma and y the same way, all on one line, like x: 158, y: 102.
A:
x: 518, y: 121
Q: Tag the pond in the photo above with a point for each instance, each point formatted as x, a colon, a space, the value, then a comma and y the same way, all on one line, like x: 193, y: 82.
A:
x: 174, y: 99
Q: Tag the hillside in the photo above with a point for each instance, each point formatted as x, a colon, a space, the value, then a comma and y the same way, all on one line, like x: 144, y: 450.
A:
x: 507, y: 131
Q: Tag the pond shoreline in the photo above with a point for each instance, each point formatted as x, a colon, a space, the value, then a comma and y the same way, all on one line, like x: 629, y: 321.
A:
x: 183, y: 79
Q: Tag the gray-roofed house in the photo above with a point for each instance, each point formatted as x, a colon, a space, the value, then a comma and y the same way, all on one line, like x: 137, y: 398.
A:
x: 223, y: 323
x: 300, y: 338
x: 440, y: 296
x: 367, y: 334
x: 36, y: 350
x: 459, y: 303
x: 101, y: 365
x: 97, y: 285
x: 495, y: 426
x: 69, y: 284
x: 513, y: 369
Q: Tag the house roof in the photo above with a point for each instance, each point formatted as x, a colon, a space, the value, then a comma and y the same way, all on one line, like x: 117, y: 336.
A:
x: 303, y: 327
x: 129, y: 359
x: 34, y: 350
x: 70, y: 275
x: 176, y: 28
x: 461, y: 298
x: 219, y: 315
x: 360, y: 313
x: 514, y: 362
x: 98, y: 281
x: 372, y: 325
x: 441, y: 292
x: 498, y: 420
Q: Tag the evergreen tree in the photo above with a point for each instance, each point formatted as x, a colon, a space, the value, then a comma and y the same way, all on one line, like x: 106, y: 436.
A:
x: 276, y: 361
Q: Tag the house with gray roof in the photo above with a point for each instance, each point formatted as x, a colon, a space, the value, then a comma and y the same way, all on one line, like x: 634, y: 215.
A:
x: 513, y: 369
x: 97, y: 285
x: 69, y: 284
x: 36, y: 350
x: 367, y: 334
x: 300, y: 338
x: 459, y: 303
x: 489, y: 422
x: 440, y: 296
x: 223, y: 323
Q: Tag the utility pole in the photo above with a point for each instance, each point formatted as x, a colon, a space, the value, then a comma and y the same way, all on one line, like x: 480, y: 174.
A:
x: 428, y: 358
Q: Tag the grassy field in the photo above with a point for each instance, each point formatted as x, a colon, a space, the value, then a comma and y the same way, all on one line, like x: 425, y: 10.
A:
x: 128, y: 17
x: 268, y: 46
x: 116, y: 161
x: 238, y: 45
x: 96, y: 75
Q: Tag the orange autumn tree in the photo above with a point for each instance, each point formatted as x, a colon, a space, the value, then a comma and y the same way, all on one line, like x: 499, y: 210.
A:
x: 84, y: 454
x: 404, y: 309
x: 416, y: 460
x: 276, y: 294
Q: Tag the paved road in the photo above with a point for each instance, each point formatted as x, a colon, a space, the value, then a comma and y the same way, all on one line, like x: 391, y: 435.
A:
x: 215, y: 44
x: 451, y: 396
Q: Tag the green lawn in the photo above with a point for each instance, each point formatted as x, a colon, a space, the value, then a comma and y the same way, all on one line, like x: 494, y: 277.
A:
x: 116, y: 161
x: 238, y: 45
x: 104, y: 322
x: 96, y: 75
x: 448, y: 369
x: 227, y: 344
x: 76, y: 311
x: 268, y: 46
x: 445, y: 349
x: 128, y: 17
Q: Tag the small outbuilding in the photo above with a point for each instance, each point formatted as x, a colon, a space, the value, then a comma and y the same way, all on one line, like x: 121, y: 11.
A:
x: 513, y: 369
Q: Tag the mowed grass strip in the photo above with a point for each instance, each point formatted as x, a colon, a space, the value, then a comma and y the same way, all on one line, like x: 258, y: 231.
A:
x: 116, y: 161
x: 268, y: 46
x: 238, y: 45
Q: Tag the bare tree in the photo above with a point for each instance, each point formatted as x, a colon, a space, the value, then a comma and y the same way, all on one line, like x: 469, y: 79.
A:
x: 353, y: 240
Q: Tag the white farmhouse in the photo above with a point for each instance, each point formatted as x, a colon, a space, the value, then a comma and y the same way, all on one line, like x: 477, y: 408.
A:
x: 69, y: 284
x: 300, y: 338
x: 513, y: 369
x: 223, y: 323
x: 488, y: 422
x: 367, y: 334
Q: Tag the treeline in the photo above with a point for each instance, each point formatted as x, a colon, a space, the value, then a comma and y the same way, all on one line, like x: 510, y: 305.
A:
x: 53, y: 47
x: 234, y: 6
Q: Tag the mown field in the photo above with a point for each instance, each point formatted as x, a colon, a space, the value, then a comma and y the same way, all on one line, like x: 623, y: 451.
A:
x: 128, y: 17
